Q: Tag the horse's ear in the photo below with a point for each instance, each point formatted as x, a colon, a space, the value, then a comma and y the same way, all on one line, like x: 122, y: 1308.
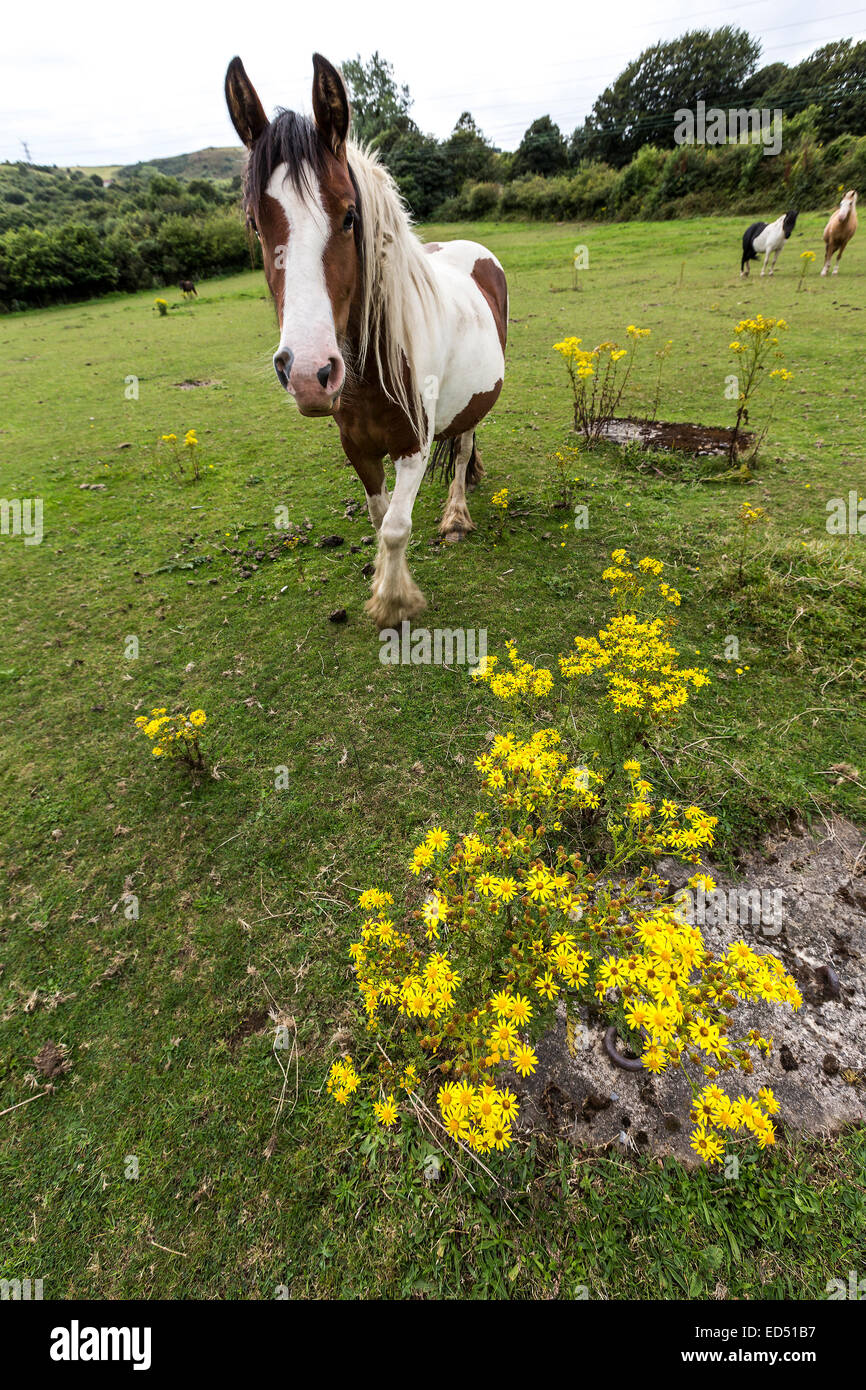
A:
x: 330, y: 105
x: 247, y: 113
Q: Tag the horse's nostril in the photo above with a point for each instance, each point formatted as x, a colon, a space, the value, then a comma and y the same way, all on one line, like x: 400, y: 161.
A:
x: 283, y: 365
x: 323, y: 373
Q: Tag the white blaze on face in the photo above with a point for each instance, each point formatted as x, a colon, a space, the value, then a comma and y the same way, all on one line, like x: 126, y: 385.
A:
x: 306, y: 317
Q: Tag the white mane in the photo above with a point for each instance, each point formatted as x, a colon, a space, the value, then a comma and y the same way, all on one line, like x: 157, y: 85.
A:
x: 399, y: 292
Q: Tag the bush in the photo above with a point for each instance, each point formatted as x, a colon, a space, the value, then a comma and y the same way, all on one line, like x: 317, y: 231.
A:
x: 39, y: 266
x: 689, y: 181
x: 482, y: 198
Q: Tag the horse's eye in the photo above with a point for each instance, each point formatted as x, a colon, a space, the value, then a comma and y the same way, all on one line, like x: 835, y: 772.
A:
x: 349, y: 220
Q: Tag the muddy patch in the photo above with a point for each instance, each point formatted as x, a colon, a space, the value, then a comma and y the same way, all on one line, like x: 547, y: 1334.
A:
x: 192, y: 385
x: 255, y: 1022
x: 817, y: 884
x: 698, y: 440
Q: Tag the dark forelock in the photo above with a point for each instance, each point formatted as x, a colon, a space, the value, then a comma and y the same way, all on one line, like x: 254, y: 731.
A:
x: 289, y: 139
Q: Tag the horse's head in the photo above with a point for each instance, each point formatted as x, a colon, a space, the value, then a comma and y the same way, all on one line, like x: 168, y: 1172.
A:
x: 848, y: 202
x: 790, y: 222
x: 301, y: 201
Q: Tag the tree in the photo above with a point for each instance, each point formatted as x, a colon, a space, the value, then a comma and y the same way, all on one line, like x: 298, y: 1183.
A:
x: 703, y: 65
x: 833, y: 78
x: 760, y: 86
x: 378, y: 103
x: 541, y: 151
x: 469, y: 154
x: 420, y: 168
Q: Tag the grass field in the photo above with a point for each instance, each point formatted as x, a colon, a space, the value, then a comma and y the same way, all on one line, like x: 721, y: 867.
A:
x: 246, y: 892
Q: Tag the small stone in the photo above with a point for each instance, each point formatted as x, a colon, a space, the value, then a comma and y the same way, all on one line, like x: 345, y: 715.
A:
x: 787, y: 1058
x: 339, y: 615
x: 829, y: 981
x: 831, y: 1064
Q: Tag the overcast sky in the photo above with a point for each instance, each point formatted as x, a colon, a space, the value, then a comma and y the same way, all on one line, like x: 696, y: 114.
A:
x: 111, y: 83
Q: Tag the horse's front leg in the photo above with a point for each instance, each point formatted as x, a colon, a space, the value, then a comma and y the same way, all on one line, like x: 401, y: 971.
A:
x: 371, y: 471
x: 766, y: 258
x: 395, y: 594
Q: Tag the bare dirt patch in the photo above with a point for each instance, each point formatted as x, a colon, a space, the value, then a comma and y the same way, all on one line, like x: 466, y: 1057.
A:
x: 697, y: 440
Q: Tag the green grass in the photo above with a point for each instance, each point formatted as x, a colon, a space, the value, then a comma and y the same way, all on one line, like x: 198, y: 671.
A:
x: 105, y: 171
x: 246, y: 892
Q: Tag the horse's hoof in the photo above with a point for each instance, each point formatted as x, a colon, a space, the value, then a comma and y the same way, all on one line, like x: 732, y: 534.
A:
x: 453, y: 537
x: 391, y: 612
x: 456, y: 524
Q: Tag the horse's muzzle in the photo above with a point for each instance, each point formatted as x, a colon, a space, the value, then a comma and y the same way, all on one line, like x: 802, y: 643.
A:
x: 315, y: 388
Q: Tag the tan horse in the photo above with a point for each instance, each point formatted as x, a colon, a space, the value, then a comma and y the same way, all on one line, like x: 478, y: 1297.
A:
x: 839, y: 230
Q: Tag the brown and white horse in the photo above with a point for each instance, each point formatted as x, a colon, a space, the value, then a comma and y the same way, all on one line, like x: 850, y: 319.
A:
x: 402, y: 343
x: 839, y: 231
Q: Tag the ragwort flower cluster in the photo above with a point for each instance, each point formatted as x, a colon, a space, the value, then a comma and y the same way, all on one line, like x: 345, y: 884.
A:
x: 523, y: 682
x: 597, y: 382
x: 756, y: 342
x: 632, y: 652
x: 457, y: 993
x: 174, y: 736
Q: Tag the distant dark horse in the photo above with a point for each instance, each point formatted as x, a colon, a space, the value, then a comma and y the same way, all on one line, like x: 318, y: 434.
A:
x: 188, y: 288
x: 767, y: 238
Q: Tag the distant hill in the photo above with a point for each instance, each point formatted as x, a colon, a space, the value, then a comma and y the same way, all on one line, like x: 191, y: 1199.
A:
x: 72, y: 233
x: 212, y: 163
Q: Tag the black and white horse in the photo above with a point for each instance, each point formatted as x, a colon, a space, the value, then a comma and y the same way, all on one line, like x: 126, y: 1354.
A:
x: 768, y: 238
